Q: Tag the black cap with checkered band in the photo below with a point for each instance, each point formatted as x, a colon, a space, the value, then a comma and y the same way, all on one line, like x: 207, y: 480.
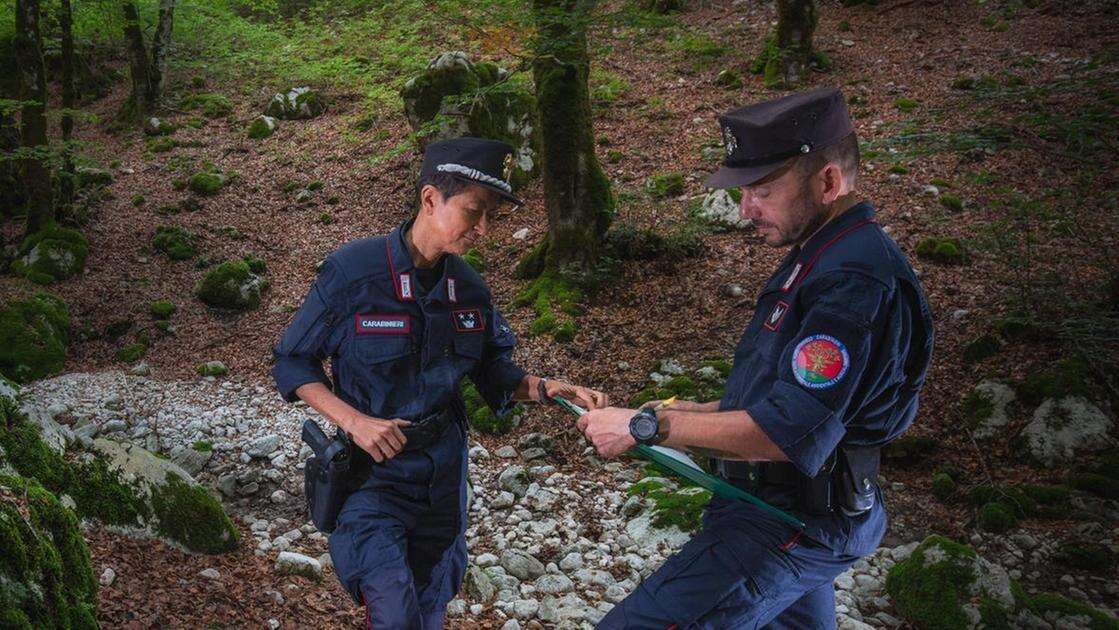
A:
x: 487, y: 163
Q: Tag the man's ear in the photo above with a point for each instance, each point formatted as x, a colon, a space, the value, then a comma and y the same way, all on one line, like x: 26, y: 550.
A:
x: 429, y: 198
x: 831, y: 183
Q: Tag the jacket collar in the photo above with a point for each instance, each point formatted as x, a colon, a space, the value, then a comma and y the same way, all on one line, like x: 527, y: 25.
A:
x: 808, y: 252
x: 449, y: 289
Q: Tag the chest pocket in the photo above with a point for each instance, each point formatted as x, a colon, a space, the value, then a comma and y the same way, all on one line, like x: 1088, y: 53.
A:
x: 383, y: 373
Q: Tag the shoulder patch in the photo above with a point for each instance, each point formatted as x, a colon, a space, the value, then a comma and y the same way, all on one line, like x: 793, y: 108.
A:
x: 820, y: 361
x: 468, y: 320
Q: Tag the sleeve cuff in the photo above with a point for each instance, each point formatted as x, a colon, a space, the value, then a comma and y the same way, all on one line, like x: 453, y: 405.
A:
x: 805, y: 430
x: 290, y: 375
x: 502, y: 380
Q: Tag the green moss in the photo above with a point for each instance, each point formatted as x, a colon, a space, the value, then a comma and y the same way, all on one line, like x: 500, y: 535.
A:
x: 996, y: 518
x: 211, y: 105
x: 202, y: 446
x: 555, y: 302
x: 905, y: 104
x: 909, y: 448
x: 664, y: 185
x: 206, y: 183
x: 175, y: 242
x: 963, y: 83
x: 642, y: 397
x: 1069, y: 377
x: 951, y: 202
x: 260, y: 128
x: 230, y: 285
x: 34, y: 334
x: 613, y: 156
x: 730, y: 79
x: 943, y: 486
x: 212, y: 368
x: 162, y: 144
x: 943, y: 250
x: 475, y: 259
x: 101, y: 494
x: 51, y: 254
x: 844, y: 26
x: 189, y: 514
x: 138, y: 200
x: 46, y: 578
x: 480, y: 417
x: 256, y: 265
x: 132, y: 352
x: 680, y: 508
x: 929, y: 587
x: 1043, y: 603
x: 976, y: 408
x: 162, y: 309
x: 325, y: 218
x: 1015, y: 327
x: 899, y: 169
x: 982, y: 347
x: 1095, y: 483
x: 565, y: 332
x: 118, y: 326
x: 1087, y: 556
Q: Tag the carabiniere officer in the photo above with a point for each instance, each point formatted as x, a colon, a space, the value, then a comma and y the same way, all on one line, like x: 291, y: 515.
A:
x: 827, y: 372
x: 403, y: 319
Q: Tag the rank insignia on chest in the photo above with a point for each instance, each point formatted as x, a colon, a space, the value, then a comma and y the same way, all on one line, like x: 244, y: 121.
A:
x: 820, y: 361
x: 452, y: 294
x: 773, y: 322
x: 792, y: 277
x: 382, y: 324
x: 405, y: 286
x: 468, y: 320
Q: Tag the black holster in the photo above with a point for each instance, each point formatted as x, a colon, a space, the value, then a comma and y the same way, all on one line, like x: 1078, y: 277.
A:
x: 326, y: 475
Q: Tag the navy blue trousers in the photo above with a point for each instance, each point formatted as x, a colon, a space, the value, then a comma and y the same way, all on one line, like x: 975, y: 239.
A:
x: 739, y: 571
x: 400, y: 543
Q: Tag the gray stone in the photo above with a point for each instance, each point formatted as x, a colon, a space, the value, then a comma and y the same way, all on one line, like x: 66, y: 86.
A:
x: 506, y: 452
x: 210, y: 574
x: 192, y: 460
x: 525, y: 609
x: 291, y: 563
x: 263, y: 447
x: 503, y: 499
x: 296, y: 103
x: 553, y: 584
x: 998, y: 396
x: 720, y: 208
x: 535, y: 440
x: 478, y: 585
x: 108, y: 576
x: 1060, y: 430
x: 521, y: 565
x: 514, y: 479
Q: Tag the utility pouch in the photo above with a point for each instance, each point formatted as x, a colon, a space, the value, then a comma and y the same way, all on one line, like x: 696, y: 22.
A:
x: 857, y: 478
x: 816, y: 495
x: 326, y: 476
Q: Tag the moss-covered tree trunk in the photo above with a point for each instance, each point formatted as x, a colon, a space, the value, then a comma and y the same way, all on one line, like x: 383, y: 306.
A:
x: 148, y: 71
x: 161, y: 43
x: 788, y: 53
x: 576, y: 191
x: 65, y: 24
x: 33, y: 120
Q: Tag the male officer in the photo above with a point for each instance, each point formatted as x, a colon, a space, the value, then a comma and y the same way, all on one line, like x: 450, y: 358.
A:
x: 403, y: 318
x: 828, y: 371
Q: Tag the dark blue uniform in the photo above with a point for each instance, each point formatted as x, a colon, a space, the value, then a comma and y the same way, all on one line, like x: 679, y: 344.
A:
x: 399, y: 350
x: 836, y: 353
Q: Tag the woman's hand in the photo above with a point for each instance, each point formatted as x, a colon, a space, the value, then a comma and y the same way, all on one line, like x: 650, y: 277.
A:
x: 582, y: 396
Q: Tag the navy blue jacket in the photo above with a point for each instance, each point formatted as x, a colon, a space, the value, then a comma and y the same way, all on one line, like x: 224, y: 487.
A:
x: 836, y: 352
x: 397, y: 351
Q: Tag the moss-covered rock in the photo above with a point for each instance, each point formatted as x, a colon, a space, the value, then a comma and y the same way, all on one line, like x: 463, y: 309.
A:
x: 212, y: 368
x: 555, y: 302
x: 34, y: 334
x: 162, y: 309
x: 944, y: 585
x: 672, y: 507
x: 51, y: 254
x: 664, y: 185
x: 1061, y: 430
x: 174, y: 241
x: 46, y: 578
x: 162, y: 144
x: 231, y: 285
x: 1068, y: 377
x: 296, y: 104
x: 984, y: 409
x: 211, y: 105
x: 1087, y: 556
x: 943, y: 250
x: 996, y: 517
x: 262, y: 127
x: 132, y: 352
x: 730, y: 79
x: 454, y: 97
x: 481, y: 418
x: 187, y: 513
x: 154, y: 126
x: 943, y: 486
x: 206, y: 183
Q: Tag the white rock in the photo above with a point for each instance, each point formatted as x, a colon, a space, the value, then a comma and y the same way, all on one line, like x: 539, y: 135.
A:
x: 108, y: 576
x: 211, y: 574
x: 521, y: 234
x: 291, y: 563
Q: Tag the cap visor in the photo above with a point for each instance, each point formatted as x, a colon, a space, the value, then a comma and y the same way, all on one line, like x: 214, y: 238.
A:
x: 727, y: 177
x: 510, y: 197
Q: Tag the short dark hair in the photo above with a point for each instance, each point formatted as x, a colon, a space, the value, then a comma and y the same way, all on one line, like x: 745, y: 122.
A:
x: 845, y: 153
x: 448, y: 185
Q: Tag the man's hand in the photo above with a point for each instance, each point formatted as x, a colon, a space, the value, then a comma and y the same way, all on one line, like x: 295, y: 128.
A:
x: 608, y: 430
x: 382, y: 439
x: 582, y: 396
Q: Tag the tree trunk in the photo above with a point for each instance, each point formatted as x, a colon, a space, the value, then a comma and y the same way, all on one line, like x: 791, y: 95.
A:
x: 137, y: 105
x: 577, y: 193
x: 796, y: 21
x: 33, y: 120
x: 160, y: 44
x: 65, y: 23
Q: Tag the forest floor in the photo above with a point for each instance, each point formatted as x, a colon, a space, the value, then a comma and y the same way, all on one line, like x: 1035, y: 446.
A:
x: 1034, y: 127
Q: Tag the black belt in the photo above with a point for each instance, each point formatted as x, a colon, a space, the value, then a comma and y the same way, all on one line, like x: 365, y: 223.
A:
x: 426, y: 431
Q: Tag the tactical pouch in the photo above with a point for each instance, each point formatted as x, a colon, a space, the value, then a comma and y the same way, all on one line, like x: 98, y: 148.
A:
x: 326, y: 477
x: 857, y: 478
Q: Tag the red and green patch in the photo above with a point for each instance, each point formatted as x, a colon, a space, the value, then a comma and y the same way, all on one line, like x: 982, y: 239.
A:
x: 820, y: 361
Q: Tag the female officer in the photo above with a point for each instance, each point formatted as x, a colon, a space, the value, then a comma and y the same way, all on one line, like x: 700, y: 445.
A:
x: 403, y: 319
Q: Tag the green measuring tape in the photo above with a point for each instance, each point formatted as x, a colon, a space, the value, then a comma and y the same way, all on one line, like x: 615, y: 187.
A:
x: 695, y: 475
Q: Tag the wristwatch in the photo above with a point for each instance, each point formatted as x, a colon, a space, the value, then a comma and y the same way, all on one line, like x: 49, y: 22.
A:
x: 645, y: 427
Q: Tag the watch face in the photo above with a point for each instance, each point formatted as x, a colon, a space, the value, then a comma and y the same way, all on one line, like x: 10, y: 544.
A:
x: 643, y: 427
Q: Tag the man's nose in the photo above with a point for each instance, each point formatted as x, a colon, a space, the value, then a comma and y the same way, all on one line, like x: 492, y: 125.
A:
x: 746, y: 206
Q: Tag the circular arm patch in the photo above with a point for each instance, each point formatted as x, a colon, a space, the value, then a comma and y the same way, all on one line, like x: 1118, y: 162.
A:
x: 820, y: 361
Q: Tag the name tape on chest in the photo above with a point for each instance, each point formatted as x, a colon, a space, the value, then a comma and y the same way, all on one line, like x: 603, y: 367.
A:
x: 382, y: 324
x: 820, y: 361
x: 468, y: 320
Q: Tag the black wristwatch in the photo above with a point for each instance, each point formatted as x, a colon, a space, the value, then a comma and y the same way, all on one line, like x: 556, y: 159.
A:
x: 645, y: 427
x: 542, y: 392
